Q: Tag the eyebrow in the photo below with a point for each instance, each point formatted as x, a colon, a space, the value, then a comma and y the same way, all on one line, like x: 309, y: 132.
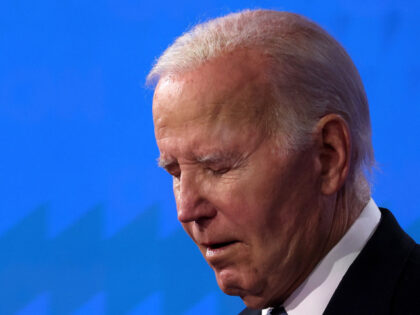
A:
x: 214, y: 158
x: 164, y: 162
x: 203, y: 159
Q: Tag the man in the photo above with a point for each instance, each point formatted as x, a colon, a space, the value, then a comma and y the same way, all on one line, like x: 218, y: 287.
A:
x: 262, y: 120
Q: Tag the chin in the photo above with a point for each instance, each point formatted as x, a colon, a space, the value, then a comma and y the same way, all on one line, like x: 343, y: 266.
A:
x: 229, y: 282
x: 232, y: 284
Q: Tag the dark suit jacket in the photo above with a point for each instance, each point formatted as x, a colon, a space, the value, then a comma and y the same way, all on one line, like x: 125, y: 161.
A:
x: 384, y: 278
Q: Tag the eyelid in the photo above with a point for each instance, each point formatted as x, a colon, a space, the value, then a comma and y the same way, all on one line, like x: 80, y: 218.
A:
x: 220, y: 171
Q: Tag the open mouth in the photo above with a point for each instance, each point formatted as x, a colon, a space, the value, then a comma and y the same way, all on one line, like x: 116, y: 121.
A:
x: 218, y: 248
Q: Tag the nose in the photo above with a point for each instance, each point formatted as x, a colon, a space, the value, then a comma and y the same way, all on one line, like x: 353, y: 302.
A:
x: 192, y: 203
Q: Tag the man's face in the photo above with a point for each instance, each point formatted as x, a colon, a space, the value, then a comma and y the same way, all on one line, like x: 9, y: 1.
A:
x: 253, y: 212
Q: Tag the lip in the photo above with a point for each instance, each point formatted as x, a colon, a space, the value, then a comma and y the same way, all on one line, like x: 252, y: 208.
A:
x: 215, y: 250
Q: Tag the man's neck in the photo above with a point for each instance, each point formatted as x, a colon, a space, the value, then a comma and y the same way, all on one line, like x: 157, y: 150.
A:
x: 314, y: 293
x: 346, y: 212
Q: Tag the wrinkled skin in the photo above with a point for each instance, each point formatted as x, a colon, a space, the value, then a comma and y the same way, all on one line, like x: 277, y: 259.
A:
x: 258, y: 216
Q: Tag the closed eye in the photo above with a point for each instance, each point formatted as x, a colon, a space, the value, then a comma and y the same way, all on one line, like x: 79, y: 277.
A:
x: 219, y: 171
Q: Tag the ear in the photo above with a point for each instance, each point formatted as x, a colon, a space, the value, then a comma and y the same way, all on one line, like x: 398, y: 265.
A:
x: 334, y: 154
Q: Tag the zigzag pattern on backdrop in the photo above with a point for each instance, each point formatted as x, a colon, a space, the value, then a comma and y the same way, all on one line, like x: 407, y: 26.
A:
x: 79, y: 265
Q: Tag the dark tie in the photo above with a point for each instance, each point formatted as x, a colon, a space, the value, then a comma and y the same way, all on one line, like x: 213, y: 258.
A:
x: 277, y: 311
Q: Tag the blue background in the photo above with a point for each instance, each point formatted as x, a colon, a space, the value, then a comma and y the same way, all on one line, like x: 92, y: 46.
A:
x: 87, y: 220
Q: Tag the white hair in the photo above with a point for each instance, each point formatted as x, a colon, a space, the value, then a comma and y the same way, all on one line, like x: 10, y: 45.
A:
x: 311, y: 75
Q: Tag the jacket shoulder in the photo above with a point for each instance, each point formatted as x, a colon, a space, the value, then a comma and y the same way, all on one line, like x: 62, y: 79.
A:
x: 407, y: 292
x: 378, y: 281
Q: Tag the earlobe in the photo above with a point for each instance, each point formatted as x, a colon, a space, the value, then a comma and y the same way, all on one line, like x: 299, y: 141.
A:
x: 334, y: 143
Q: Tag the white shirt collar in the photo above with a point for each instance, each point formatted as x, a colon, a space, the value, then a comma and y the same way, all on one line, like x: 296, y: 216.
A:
x: 314, y: 294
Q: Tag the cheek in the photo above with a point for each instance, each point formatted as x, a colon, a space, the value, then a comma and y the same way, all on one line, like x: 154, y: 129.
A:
x: 227, y: 195
x: 238, y: 202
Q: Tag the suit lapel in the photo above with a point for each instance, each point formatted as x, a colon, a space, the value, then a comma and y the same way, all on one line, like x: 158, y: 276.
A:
x: 368, y: 286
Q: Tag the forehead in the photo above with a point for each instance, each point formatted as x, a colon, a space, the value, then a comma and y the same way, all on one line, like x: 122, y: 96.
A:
x: 230, y: 88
